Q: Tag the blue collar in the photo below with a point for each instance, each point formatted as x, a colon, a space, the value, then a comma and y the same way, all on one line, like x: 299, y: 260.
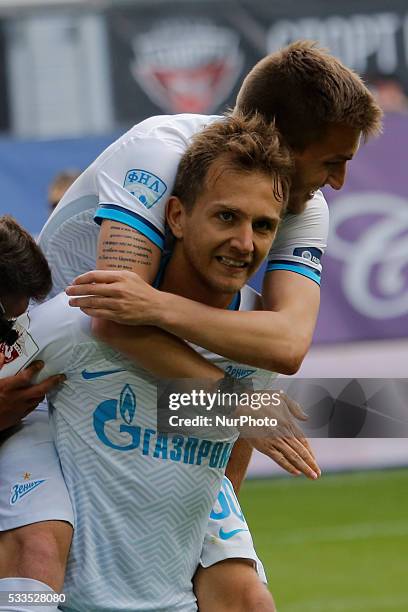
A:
x: 236, y: 302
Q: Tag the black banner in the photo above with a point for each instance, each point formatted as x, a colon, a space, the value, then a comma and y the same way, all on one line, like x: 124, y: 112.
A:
x: 191, y: 57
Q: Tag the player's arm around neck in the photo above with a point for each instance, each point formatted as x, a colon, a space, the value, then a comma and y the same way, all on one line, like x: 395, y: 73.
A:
x: 276, y: 339
x: 122, y: 248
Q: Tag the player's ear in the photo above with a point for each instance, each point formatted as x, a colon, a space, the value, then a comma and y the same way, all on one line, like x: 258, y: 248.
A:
x: 175, y: 214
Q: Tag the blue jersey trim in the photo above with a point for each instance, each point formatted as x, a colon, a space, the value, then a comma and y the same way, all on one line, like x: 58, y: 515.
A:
x: 298, y: 264
x: 137, y: 222
x: 299, y: 269
x: 162, y: 268
x: 236, y: 302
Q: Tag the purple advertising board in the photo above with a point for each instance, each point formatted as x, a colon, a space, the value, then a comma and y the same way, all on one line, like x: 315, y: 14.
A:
x: 365, y: 283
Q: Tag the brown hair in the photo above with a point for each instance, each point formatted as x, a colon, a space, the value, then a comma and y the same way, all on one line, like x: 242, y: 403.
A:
x: 24, y: 270
x: 240, y: 143
x: 303, y: 88
x: 60, y: 184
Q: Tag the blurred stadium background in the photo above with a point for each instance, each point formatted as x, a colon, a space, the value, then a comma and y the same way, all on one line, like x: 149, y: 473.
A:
x: 75, y: 74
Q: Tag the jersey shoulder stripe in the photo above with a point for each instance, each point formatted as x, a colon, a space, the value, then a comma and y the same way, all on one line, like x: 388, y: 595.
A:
x: 301, y: 269
x: 131, y: 218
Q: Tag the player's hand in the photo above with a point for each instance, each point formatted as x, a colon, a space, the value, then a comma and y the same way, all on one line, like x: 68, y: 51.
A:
x: 120, y: 296
x: 285, y: 443
x: 18, y: 397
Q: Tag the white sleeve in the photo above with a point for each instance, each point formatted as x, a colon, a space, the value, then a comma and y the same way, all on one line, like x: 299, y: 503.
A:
x: 301, y: 240
x: 43, y: 333
x: 135, y: 183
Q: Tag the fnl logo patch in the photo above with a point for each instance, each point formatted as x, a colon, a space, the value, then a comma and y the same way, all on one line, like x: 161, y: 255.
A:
x: 312, y: 254
x: 21, y: 489
x: 146, y: 187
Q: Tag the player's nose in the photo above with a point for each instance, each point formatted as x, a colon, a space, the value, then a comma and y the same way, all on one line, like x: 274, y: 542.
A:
x: 337, y: 177
x: 243, y: 239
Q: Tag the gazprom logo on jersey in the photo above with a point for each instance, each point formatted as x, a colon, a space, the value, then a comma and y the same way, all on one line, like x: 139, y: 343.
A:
x: 115, y: 429
x: 20, y: 489
x: 145, y: 186
x: 239, y: 373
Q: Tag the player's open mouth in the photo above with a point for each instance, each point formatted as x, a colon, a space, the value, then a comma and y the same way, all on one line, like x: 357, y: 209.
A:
x: 232, y: 263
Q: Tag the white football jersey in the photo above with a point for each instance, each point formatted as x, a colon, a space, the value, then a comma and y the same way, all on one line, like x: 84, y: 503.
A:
x: 141, y: 499
x: 131, y: 181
